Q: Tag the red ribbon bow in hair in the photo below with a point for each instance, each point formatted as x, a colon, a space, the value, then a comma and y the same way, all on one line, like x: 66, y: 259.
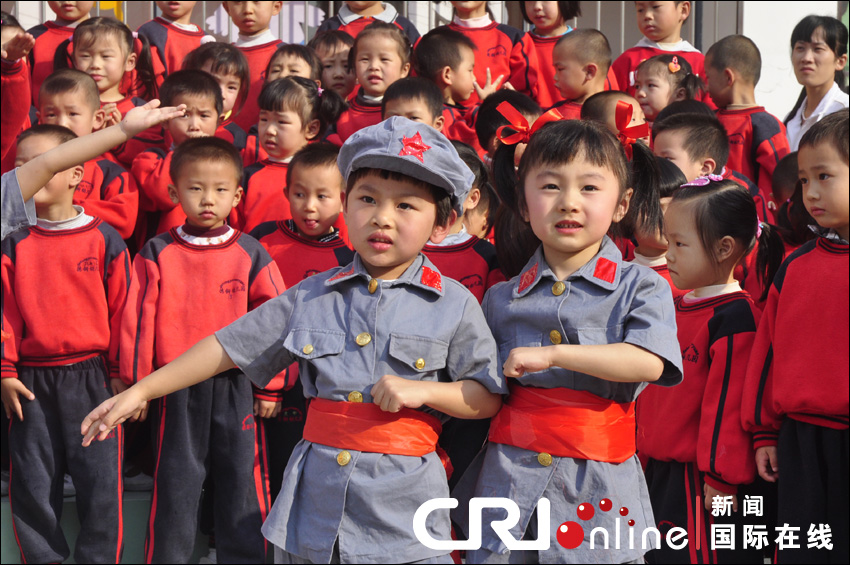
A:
x: 519, y: 124
x: 628, y: 135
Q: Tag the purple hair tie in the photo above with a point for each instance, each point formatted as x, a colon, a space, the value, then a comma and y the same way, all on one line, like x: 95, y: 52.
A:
x: 758, y: 229
x: 320, y: 89
x: 703, y: 181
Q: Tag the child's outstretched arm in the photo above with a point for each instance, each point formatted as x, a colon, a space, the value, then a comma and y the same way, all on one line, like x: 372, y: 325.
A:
x: 36, y: 173
x: 461, y: 399
x: 618, y: 362
x: 203, y: 360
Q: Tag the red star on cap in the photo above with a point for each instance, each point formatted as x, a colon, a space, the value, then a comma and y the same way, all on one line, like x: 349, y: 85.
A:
x: 414, y: 146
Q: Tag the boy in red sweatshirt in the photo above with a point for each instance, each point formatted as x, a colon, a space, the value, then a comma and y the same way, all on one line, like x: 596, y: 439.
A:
x: 70, y: 98
x: 757, y: 139
x: 61, y: 370
x: 795, y: 400
x: 257, y: 44
x: 48, y: 37
x: 187, y: 282
x: 202, y: 96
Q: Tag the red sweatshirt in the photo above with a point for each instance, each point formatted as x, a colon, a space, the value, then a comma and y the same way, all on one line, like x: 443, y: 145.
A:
x: 356, y: 26
x: 699, y: 420
x: 506, y: 51
x: 233, y: 134
x: 253, y: 151
x: 157, y: 212
x: 458, y: 125
x: 664, y: 271
x: 570, y: 110
x: 757, y: 141
x: 263, y: 197
x: 258, y: 59
x: 360, y: 114
x: 169, y: 43
x: 15, y: 82
x: 85, y: 272
x: 181, y: 293
x: 472, y: 263
x: 798, y: 365
x: 109, y: 192
x: 48, y: 37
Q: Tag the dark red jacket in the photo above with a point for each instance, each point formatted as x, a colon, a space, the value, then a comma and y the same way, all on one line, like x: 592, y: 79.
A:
x: 63, y: 296
x: 699, y: 420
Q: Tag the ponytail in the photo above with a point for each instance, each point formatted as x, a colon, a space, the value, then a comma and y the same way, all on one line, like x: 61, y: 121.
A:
x: 693, y: 87
x: 645, y: 204
x: 771, y: 253
x: 145, y: 84
x: 329, y: 107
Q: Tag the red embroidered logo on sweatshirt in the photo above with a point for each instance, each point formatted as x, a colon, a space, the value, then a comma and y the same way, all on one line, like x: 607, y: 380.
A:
x: 231, y: 287
x: 89, y: 264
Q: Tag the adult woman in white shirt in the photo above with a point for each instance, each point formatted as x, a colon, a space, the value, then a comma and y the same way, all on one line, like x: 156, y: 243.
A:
x: 818, y: 54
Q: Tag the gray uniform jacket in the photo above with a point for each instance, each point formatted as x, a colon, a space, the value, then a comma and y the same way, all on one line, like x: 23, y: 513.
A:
x: 421, y: 326
x: 605, y: 301
x: 17, y: 215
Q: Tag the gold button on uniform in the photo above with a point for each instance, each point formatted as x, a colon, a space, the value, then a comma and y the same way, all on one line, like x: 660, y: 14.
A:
x: 355, y: 396
x: 343, y: 458
x: 363, y: 339
x: 373, y: 286
x: 558, y: 288
x: 420, y: 363
x: 543, y: 458
x: 308, y: 349
x: 555, y: 337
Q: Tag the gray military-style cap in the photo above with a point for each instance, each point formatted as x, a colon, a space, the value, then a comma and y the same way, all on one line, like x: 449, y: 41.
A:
x: 410, y: 148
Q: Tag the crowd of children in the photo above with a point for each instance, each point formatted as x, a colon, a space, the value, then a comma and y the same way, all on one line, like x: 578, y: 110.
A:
x: 344, y: 278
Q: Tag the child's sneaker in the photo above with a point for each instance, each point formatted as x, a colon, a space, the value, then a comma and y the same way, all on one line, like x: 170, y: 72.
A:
x: 68, y: 489
x: 209, y: 558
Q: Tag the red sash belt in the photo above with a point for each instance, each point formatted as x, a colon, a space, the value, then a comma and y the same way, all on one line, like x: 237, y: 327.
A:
x: 566, y: 423
x: 363, y: 426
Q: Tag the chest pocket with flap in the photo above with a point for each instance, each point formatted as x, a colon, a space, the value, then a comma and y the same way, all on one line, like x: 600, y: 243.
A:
x: 422, y: 354
x: 314, y: 343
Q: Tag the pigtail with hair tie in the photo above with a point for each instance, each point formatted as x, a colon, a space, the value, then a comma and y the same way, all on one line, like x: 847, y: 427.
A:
x: 518, y: 123
x: 628, y: 136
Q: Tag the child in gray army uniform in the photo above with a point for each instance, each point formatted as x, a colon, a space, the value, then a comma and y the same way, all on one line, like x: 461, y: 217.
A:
x: 387, y: 349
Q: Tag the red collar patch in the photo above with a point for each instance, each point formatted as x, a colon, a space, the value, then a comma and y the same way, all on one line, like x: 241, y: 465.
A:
x: 605, y: 270
x: 414, y: 146
x: 341, y: 274
x: 431, y: 278
x: 527, y: 278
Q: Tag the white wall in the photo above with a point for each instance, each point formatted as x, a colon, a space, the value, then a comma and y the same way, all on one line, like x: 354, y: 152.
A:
x: 769, y: 25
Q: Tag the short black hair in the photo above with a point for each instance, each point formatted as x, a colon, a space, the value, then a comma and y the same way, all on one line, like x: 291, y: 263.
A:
x: 8, y: 20
x: 670, y: 177
x: 568, y: 11
x: 442, y: 198
x: 488, y: 201
x: 191, y: 83
x: 677, y: 71
x: 330, y: 40
x: 59, y: 133
x: 302, y: 52
x: 224, y: 58
x: 705, y: 136
x: 589, y: 46
x: 321, y: 154
x: 71, y: 80
x: 488, y: 119
x: 597, y: 106
x: 833, y: 130
x: 415, y: 88
x: 685, y: 107
x: 439, y: 48
x: 209, y: 149
x: 738, y: 53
